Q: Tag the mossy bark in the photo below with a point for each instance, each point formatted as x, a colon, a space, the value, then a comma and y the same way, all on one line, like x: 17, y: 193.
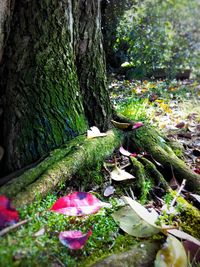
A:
x: 50, y: 44
x: 147, y: 139
x: 90, y: 62
x: 59, y: 167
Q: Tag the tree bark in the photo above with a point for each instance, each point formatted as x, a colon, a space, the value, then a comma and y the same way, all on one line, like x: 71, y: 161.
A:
x: 44, y: 105
x: 90, y: 62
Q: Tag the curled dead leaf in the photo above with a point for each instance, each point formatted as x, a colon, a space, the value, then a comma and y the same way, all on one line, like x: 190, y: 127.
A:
x: 120, y: 175
x: 180, y: 125
x: 94, y: 132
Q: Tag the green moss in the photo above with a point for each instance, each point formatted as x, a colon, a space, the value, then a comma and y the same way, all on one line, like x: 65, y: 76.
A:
x: 22, y: 248
x: 188, y: 216
x: 190, y: 221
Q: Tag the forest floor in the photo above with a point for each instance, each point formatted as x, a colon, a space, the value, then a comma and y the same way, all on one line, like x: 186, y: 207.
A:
x: 170, y: 106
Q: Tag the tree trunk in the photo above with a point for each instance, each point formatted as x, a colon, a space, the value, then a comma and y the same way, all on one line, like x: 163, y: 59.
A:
x: 44, y: 105
x: 90, y: 62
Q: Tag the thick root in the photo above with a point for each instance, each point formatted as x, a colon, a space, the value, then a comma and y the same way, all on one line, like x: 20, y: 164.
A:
x: 86, y: 153
x: 149, y: 140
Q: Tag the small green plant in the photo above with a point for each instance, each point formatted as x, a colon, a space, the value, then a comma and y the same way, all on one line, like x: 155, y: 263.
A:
x: 147, y: 185
x: 134, y: 109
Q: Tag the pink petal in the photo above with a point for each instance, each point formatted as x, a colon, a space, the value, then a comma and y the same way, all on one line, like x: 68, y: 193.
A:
x: 137, y: 125
x: 4, y: 201
x: 77, y: 204
x: 134, y: 154
x: 74, y: 239
x: 8, y: 214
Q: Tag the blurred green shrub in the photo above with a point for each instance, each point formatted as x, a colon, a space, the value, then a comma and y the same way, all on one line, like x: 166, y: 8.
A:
x: 160, y: 34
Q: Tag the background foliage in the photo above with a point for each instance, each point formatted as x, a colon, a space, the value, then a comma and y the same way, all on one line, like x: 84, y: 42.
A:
x: 160, y: 34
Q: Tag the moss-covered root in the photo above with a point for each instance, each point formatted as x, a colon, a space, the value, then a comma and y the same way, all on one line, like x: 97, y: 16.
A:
x: 88, y: 153
x: 146, y: 138
x: 154, y: 173
x: 142, y: 254
x: 189, y: 216
x: 140, y: 175
x: 19, y: 182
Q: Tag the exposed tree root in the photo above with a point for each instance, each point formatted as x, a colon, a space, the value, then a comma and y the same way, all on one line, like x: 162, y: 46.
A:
x: 65, y: 162
x: 147, y: 139
x: 142, y: 254
x: 140, y: 175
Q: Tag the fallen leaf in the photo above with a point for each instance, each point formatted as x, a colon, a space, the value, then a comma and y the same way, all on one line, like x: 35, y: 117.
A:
x: 74, y: 239
x: 137, y: 125
x: 126, y: 153
x: 94, y: 132
x: 197, y: 171
x: 172, y: 254
x: 180, y: 125
x: 195, y: 196
x: 185, y: 135
x: 192, y: 250
x: 171, y: 128
x: 39, y: 232
x: 109, y: 191
x: 142, y: 211
x: 8, y: 214
x: 129, y: 221
x: 121, y: 125
x: 120, y: 175
x: 183, y: 235
x: 78, y: 204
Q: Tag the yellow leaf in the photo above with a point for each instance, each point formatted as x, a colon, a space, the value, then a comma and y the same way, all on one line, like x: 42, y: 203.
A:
x: 172, y: 254
x: 121, y: 125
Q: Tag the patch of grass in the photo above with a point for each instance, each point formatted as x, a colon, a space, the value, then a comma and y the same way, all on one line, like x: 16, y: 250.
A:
x: 135, y: 109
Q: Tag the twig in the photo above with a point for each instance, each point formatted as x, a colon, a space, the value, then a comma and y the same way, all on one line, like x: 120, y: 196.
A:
x: 125, y: 166
x: 178, y: 193
x: 132, y: 194
x: 127, y: 193
x: 12, y: 227
x: 59, y: 261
